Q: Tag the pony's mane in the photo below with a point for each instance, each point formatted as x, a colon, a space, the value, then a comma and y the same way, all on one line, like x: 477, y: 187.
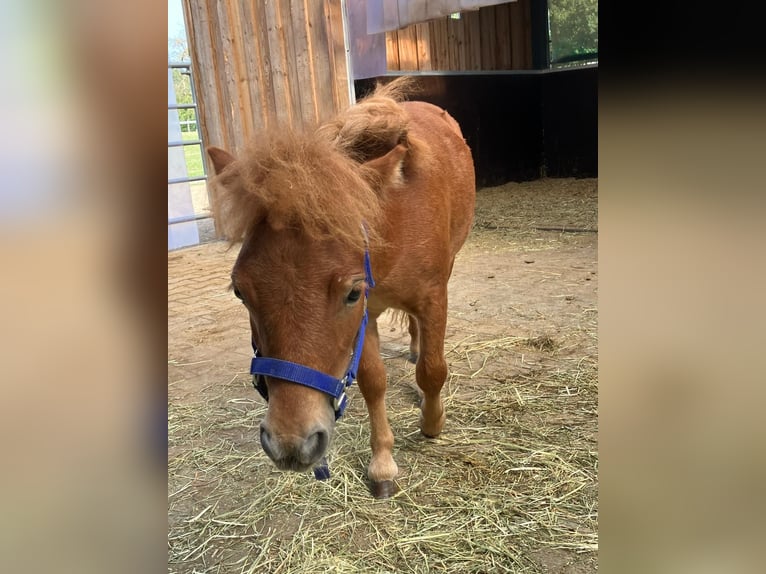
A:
x: 313, y: 181
x: 297, y: 181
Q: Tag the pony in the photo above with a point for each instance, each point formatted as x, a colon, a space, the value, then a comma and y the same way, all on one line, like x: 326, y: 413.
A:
x: 337, y: 224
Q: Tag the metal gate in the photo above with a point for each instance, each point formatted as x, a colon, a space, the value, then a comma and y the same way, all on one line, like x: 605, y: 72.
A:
x: 188, y: 203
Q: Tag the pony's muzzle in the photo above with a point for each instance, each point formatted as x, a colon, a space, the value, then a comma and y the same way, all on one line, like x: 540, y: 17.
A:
x: 294, y: 452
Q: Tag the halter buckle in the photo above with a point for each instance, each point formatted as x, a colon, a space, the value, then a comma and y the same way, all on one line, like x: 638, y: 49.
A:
x: 339, y: 404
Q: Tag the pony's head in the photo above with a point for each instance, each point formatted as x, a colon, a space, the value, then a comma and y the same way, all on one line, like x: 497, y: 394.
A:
x: 298, y: 204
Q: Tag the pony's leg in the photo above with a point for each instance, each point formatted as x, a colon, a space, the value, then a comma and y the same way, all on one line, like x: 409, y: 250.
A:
x: 414, y: 339
x: 431, y: 369
x: 372, y: 384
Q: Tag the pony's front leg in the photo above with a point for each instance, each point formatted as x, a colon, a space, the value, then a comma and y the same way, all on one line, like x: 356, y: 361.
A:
x: 431, y: 368
x: 372, y: 384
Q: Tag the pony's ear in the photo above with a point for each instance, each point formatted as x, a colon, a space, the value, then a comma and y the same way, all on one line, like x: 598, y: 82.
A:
x: 234, y: 209
x: 387, y: 169
x: 220, y: 158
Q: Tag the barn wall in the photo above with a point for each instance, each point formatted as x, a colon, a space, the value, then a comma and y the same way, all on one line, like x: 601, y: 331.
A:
x: 262, y: 65
x: 570, y: 122
x: 491, y: 38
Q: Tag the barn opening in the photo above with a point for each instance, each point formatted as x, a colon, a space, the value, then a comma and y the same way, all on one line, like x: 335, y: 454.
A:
x: 520, y: 77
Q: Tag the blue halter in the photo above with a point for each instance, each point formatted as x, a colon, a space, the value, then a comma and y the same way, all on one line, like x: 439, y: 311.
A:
x: 261, y: 367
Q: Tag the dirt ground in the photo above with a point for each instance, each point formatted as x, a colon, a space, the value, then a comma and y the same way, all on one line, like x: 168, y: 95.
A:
x: 517, y: 462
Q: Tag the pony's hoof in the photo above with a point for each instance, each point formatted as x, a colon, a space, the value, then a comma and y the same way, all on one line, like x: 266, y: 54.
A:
x: 383, y: 488
x: 413, y: 358
x: 432, y: 430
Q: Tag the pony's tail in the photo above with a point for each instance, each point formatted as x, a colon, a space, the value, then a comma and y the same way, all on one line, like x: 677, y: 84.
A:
x: 399, y: 89
x: 374, y: 125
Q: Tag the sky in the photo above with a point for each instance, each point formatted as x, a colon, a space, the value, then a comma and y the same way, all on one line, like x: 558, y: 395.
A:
x: 175, y: 18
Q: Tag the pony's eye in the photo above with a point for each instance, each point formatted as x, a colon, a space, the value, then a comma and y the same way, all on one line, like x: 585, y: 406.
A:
x: 237, y: 294
x: 354, y: 295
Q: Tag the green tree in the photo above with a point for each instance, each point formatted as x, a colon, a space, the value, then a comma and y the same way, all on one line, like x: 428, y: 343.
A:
x: 573, y: 29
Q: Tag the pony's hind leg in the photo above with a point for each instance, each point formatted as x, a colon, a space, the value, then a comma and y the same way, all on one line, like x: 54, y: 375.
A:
x: 431, y: 369
x: 414, y: 339
x: 372, y: 384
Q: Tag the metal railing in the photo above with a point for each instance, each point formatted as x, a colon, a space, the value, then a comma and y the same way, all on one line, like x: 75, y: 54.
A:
x: 186, y: 70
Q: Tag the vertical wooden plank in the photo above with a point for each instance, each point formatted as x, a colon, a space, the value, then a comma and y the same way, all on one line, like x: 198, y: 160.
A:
x: 408, y: 49
x: 243, y: 112
x: 424, y: 46
x: 453, y: 43
x: 462, y: 52
x: 262, y: 66
x: 488, y: 38
x: 445, y: 48
x: 439, y: 45
x: 252, y: 63
x: 503, y: 37
x: 433, y: 36
x: 290, y: 64
x: 518, y: 36
x: 223, y: 64
x: 304, y: 66
x: 280, y: 81
x: 198, y: 25
x: 225, y: 76
x: 392, y: 50
x: 319, y: 56
x: 472, y: 48
x: 334, y: 19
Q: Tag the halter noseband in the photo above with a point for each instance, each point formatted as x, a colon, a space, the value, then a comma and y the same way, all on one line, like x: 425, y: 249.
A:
x: 261, y: 367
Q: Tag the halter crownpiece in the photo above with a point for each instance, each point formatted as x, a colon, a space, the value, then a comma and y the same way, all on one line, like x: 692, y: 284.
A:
x: 261, y: 367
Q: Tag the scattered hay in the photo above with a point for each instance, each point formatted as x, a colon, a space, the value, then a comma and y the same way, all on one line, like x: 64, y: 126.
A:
x: 516, y: 212
x: 543, y: 343
x: 496, y: 485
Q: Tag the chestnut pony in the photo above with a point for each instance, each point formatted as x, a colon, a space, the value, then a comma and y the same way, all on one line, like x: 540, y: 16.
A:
x: 362, y: 214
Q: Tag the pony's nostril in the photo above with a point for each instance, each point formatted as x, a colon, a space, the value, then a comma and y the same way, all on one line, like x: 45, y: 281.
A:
x: 315, y: 446
x: 266, y: 442
x: 323, y: 437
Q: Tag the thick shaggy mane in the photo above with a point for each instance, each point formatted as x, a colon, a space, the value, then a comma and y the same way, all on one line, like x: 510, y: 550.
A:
x: 313, y: 182
x: 293, y: 181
